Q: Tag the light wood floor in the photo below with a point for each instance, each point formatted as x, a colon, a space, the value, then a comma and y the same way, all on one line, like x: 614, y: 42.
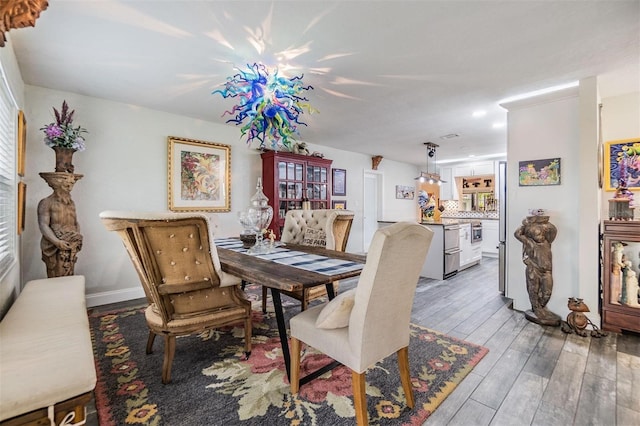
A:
x: 532, y: 375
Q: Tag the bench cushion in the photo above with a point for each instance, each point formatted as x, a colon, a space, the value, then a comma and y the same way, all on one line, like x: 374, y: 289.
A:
x: 46, y: 355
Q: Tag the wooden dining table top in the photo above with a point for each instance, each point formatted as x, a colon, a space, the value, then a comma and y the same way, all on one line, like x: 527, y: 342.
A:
x: 284, y: 277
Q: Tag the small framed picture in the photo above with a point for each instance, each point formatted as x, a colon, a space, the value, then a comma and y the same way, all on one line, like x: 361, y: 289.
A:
x: 539, y: 172
x: 339, y: 204
x: 405, y: 192
x: 199, y: 175
x: 339, y: 181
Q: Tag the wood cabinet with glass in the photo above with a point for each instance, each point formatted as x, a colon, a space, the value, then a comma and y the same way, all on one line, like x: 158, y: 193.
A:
x: 290, y: 178
x: 620, y: 270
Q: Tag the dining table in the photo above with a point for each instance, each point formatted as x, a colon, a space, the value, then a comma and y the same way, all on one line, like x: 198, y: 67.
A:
x: 289, y: 267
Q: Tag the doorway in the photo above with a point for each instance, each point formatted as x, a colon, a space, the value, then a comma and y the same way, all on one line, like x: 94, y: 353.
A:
x: 371, y: 206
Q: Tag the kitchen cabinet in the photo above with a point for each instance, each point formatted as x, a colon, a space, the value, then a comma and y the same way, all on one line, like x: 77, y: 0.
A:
x: 449, y: 186
x: 470, y: 253
x: 287, y: 178
x: 473, y: 169
x: 620, y: 269
x: 490, y: 238
x: 433, y: 266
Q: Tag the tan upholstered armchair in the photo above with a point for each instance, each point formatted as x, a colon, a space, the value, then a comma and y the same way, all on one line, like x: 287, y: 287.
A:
x: 336, y: 224
x: 180, y: 272
x: 365, y: 325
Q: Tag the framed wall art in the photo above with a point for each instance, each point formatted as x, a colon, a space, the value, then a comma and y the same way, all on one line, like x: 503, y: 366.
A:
x: 339, y: 204
x: 22, y: 141
x: 539, y: 172
x: 199, y: 175
x: 339, y: 181
x: 622, y: 161
x: 22, y: 201
x: 405, y: 192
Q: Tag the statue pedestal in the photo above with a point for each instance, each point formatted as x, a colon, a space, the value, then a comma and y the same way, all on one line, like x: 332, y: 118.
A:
x: 549, y: 318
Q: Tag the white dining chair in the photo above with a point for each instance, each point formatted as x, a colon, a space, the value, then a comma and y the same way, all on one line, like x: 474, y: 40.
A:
x: 365, y: 325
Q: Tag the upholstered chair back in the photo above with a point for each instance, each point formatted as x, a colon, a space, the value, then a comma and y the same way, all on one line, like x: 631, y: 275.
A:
x: 379, y: 321
x: 178, y: 266
x: 335, y: 223
x: 180, y: 271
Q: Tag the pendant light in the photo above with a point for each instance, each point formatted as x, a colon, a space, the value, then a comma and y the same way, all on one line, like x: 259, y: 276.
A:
x: 428, y: 176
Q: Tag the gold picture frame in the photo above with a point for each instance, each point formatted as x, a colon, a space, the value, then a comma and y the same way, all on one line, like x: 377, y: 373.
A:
x: 614, y: 152
x: 22, y: 142
x: 22, y: 200
x: 199, y: 175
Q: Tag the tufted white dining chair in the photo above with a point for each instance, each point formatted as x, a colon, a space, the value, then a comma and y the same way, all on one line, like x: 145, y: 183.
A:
x: 335, y: 224
x: 365, y: 325
x: 181, y: 275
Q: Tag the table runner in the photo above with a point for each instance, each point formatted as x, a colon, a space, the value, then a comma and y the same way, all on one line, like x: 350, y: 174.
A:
x: 298, y: 259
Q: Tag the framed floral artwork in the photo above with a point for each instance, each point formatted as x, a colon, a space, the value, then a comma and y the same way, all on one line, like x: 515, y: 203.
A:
x: 199, y: 175
x: 622, y: 162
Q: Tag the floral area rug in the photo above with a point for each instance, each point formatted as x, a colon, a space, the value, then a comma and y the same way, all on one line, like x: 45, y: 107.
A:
x: 214, y: 384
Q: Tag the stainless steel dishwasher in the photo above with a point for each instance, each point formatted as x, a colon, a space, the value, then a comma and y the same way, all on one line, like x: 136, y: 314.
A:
x: 451, y: 250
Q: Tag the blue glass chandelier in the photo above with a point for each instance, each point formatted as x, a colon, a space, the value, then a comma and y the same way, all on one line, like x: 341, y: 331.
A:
x: 269, y: 105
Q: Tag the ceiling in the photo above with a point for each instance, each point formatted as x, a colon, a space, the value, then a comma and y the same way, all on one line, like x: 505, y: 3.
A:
x: 387, y: 75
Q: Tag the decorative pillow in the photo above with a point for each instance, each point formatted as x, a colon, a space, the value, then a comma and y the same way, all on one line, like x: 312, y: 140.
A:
x: 314, y: 237
x: 336, y: 313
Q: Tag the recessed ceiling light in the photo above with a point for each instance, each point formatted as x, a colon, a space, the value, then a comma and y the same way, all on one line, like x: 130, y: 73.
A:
x: 479, y: 113
x: 450, y: 136
x: 471, y: 155
x: 497, y: 125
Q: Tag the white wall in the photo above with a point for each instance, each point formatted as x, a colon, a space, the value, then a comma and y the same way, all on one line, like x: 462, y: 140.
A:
x: 10, y: 281
x: 125, y: 167
x: 551, y: 126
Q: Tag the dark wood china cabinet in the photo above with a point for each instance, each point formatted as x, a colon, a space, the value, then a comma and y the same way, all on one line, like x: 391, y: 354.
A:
x: 289, y: 179
x: 620, y: 271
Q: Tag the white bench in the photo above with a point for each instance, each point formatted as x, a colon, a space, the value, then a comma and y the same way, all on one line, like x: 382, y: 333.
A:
x: 47, y: 370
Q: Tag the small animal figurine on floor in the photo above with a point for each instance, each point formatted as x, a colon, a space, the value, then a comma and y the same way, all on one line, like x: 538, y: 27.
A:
x: 577, y: 321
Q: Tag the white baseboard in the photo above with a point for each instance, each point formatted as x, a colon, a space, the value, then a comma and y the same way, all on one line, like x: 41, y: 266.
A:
x: 107, y: 297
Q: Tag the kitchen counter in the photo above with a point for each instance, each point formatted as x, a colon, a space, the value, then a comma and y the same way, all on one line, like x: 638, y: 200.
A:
x: 434, y: 263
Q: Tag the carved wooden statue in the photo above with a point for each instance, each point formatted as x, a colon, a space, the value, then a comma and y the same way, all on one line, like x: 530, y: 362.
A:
x: 19, y: 14
x: 61, y: 237
x: 536, y: 235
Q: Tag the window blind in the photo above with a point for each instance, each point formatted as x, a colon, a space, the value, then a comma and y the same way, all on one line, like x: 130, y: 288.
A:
x: 8, y: 209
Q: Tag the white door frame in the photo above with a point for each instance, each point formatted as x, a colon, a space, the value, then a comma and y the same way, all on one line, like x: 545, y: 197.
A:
x: 379, y: 179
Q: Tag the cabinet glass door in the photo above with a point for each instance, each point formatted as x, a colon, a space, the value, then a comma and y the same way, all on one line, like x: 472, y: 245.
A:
x: 624, y: 270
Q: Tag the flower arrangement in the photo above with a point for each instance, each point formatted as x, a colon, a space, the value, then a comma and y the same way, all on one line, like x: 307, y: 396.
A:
x: 62, y: 133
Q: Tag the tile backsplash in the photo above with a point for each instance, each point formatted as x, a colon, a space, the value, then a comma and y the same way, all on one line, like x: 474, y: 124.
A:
x: 451, y: 211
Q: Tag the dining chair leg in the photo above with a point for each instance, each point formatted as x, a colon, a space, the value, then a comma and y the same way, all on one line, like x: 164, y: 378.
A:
x: 360, y: 398
x: 264, y: 300
x: 405, y: 375
x: 150, y: 339
x: 169, y: 351
x: 247, y: 336
x: 295, y: 365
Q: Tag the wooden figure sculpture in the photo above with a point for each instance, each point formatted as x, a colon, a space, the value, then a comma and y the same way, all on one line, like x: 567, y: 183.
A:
x: 61, y: 238
x: 577, y: 321
x: 536, y: 235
